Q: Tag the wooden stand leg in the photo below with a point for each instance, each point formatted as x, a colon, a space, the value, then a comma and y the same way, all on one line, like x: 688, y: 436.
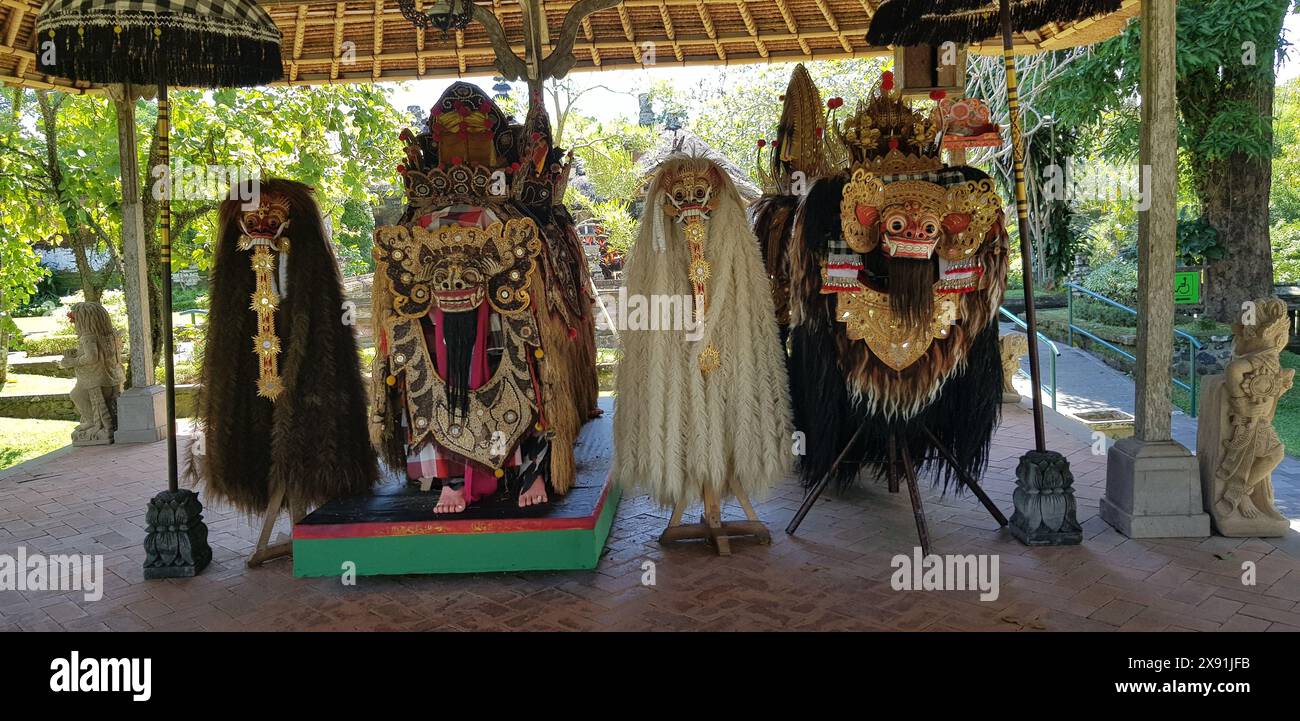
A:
x: 712, y: 518
x: 816, y: 490
x: 971, y: 483
x: 892, y: 466
x: 918, y: 510
x: 712, y: 528
x: 265, y: 550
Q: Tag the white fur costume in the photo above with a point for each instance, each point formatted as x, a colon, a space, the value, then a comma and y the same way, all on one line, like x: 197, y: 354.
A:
x: 677, y: 428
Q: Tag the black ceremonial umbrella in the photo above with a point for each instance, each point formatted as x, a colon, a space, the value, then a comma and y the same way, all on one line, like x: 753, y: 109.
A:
x: 934, y: 22
x: 196, y: 43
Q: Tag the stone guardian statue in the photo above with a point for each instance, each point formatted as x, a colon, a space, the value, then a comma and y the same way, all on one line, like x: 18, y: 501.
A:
x: 1236, y: 443
x: 98, y: 367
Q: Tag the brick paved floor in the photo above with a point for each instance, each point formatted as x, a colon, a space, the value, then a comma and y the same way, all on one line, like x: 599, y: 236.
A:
x: 833, y: 575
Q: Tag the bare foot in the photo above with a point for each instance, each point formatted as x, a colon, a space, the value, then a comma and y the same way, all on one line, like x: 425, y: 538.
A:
x: 1247, y: 508
x: 535, y: 494
x: 450, y: 500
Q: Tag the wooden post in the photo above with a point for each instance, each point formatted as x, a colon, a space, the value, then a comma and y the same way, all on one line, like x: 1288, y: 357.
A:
x: 135, y: 276
x: 1153, y: 487
x: 141, y: 409
x: 1158, y: 223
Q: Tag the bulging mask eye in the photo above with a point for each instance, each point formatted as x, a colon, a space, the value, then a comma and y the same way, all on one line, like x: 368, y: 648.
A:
x: 896, y: 224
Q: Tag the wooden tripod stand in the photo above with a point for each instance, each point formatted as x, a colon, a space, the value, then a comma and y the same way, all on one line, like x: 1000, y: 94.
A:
x: 712, y: 528
x: 265, y: 550
x: 899, y: 458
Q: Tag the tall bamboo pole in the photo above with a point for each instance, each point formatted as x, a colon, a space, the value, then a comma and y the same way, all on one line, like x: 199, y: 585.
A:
x: 1022, y: 218
x: 165, y: 256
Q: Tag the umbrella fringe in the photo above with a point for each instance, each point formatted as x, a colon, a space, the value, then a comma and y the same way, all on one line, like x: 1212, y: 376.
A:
x: 184, y: 58
x: 933, y: 22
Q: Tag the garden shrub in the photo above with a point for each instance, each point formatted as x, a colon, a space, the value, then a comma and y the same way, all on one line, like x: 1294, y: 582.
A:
x: 1116, y: 279
x: 43, y: 345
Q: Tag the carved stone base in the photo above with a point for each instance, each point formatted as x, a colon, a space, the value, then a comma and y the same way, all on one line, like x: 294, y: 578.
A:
x: 102, y: 439
x: 1046, y: 513
x: 1010, y: 397
x: 1153, y: 490
x: 176, y: 539
x: 141, y: 415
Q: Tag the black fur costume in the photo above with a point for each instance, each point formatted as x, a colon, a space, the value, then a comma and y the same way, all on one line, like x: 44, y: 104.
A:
x: 312, y: 438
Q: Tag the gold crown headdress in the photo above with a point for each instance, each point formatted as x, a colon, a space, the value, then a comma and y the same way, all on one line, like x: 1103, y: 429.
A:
x: 887, y: 137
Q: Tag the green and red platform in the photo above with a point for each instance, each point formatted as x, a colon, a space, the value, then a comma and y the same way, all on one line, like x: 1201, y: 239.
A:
x: 395, y: 531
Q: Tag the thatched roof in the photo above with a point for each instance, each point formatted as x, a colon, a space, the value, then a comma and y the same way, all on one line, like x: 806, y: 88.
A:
x: 370, y: 41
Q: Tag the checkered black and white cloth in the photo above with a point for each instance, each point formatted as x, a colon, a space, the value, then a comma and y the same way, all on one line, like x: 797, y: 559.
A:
x: 231, y: 18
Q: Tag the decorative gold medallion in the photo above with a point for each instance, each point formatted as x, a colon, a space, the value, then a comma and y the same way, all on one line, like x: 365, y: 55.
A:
x: 867, y: 316
x: 710, y: 359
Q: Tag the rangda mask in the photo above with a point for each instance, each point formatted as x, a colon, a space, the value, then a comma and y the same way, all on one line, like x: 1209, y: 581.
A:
x: 454, y: 268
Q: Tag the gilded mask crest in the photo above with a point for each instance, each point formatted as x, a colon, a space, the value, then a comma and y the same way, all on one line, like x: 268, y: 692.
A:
x: 455, y: 268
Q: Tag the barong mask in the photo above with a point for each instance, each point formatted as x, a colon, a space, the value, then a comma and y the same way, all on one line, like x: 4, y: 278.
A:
x: 690, y: 197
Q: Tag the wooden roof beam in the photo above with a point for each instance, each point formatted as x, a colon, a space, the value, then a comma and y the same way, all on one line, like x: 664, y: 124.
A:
x: 752, y: 27
x: 707, y: 19
x: 669, y: 30
x: 626, y: 20
x: 834, y: 24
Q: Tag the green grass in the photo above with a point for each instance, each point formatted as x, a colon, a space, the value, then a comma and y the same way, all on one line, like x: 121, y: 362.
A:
x: 24, y: 384
x: 22, y: 439
x: 1287, y: 420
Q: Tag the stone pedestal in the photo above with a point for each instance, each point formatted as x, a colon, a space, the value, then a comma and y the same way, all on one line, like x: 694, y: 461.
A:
x: 1153, y: 490
x: 1044, y: 500
x: 176, y: 538
x: 141, y: 415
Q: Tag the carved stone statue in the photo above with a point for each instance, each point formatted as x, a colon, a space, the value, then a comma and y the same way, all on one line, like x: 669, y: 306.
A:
x: 98, y: 365
x: 1236, y: 443
x: 1014, y: 345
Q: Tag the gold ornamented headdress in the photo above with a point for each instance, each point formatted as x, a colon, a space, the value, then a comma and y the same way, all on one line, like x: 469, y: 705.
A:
x: 263, y: 229
x: 887, y: 137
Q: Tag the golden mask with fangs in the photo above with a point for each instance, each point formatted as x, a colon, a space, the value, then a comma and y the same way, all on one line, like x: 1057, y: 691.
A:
x: 690, y: 196
x: 455, y: 268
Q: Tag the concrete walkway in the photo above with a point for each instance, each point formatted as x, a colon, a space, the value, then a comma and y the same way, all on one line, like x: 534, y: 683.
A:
x: 1085, y: 383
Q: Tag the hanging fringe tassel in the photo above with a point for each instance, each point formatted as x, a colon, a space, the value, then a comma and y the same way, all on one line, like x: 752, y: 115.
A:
x: 933, y: 22
x: 178, y: 56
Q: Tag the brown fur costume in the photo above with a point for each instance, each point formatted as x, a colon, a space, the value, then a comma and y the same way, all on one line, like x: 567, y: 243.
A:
x: 312, y: 438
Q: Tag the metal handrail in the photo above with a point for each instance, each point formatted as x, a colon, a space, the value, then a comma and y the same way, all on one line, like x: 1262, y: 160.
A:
x: 1193, y: 345
x: 191, y: 313
x: 1052, y: 358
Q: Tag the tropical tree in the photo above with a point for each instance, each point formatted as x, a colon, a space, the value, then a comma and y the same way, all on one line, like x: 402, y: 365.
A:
x: 1227, y: 50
